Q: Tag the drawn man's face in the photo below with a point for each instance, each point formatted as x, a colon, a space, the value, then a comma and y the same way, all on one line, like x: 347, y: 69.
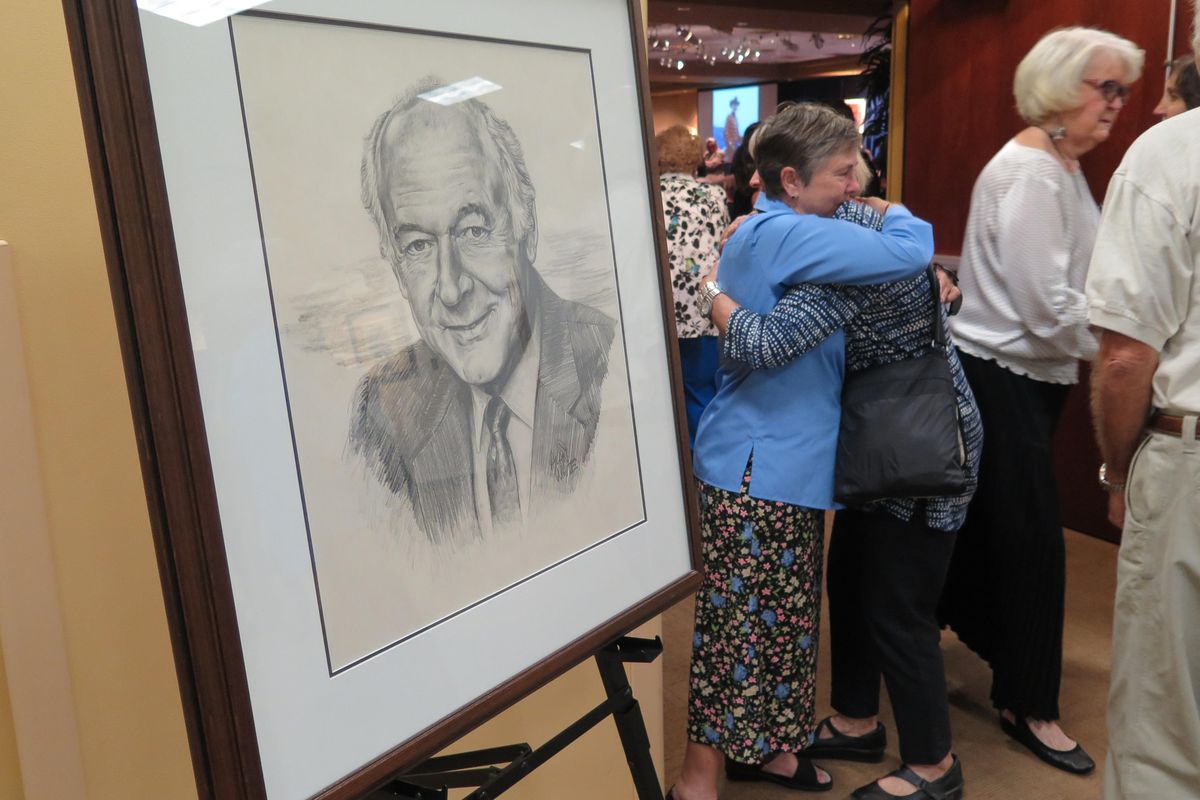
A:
x: 446, y: 207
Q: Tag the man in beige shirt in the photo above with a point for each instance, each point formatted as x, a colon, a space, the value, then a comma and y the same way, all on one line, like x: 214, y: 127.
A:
x: 1144, y: 293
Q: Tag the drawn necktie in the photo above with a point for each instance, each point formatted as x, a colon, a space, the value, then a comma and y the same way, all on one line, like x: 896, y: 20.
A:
x: 501, y: 469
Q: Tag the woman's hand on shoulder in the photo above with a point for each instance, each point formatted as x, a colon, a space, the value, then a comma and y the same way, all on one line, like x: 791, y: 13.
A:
x: 876, y: 204
x: 730, y: 229
x: 948, y: 290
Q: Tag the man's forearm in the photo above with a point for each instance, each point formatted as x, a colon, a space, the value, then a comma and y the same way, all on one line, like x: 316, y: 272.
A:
x: 1121, y: 381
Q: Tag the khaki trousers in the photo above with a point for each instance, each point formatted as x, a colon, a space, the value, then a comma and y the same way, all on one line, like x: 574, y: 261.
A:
x: 1154, y: 699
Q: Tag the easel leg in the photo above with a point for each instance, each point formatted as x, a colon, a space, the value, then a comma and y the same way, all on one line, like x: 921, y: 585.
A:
x: 628, y: 714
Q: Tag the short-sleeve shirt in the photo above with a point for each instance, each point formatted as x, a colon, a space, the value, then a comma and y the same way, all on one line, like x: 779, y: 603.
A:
x: 695, y: 217
x: 1142, y: 282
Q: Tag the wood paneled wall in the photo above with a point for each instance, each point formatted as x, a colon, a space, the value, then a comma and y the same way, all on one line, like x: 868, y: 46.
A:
x: 679, y: 107
x: 961, y: 59
x: 962, y: 56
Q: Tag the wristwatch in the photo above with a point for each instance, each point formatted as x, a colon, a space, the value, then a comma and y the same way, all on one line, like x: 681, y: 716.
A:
x: 708, y: 292
x: 1108, y: 485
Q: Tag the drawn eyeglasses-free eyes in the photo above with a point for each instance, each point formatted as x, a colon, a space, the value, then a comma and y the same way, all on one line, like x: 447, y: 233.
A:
x: 417, y: 246
x: 1110, y: 90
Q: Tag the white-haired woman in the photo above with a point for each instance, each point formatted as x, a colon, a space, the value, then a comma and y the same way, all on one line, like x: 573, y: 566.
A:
x: 1021, y: 335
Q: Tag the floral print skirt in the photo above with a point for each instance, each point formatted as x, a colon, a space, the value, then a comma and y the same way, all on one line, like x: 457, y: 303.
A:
x: 754, y: 651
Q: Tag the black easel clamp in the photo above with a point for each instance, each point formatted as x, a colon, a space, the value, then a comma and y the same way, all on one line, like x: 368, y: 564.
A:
x: 429, y: 780
x: 402, y: 790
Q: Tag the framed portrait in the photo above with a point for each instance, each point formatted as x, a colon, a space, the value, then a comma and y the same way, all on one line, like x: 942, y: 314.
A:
x: 400, y: 346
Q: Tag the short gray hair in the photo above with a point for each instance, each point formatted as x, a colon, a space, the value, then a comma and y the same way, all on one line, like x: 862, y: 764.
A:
x: 493, y: 132
x: 801, y: 136
x: 1048, y: 78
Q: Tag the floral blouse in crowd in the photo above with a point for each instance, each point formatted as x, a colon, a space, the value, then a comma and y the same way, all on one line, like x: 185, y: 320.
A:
x: 695, y: 217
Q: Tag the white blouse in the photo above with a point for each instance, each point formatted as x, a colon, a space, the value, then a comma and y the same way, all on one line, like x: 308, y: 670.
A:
x: 1025, y: 258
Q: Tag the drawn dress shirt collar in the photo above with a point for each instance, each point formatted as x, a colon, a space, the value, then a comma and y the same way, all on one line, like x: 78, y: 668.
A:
x: 520, y: 395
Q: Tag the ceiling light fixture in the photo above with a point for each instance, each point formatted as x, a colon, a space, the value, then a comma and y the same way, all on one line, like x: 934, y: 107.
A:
x: 460, y: 91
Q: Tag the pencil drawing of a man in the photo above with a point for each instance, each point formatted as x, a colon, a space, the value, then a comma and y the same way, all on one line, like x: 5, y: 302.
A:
x: 492, y: 414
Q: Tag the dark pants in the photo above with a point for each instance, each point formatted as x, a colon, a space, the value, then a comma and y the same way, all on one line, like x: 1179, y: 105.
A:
x: 1005, y: 593
x: 884, y: 580
x: 698, y: 359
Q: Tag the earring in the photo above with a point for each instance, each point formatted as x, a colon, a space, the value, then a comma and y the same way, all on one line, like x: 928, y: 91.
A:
x: 1056, y: 134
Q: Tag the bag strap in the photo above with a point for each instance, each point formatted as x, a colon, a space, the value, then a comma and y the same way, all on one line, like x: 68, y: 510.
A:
x: 939, y: 324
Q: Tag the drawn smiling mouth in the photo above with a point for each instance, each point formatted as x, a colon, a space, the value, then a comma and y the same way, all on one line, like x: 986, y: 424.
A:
x: 470, y: 330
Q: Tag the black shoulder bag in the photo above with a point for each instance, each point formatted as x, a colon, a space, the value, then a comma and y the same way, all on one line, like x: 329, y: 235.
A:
x: 900, y: 434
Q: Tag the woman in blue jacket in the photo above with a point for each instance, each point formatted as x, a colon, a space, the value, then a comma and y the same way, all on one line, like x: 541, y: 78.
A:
x: 764, y: 459
x: 887, y: 563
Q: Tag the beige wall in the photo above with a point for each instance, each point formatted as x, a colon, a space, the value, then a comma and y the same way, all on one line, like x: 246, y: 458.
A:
x: 10, y: 767
x: 675, y: 108
x: 130, y: 727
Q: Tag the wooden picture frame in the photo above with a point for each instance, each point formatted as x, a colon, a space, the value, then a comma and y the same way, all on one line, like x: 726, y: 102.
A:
x: 257, y: 650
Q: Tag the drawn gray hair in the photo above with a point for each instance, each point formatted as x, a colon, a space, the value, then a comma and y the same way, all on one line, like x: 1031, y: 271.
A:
x: 801, y: 136
x: 507, y: 157
x: 1048, y: 79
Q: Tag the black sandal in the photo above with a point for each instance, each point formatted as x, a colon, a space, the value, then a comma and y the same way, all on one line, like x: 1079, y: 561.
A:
x: 867, y: 748
x: 805, y: 778
x: 947, y: 787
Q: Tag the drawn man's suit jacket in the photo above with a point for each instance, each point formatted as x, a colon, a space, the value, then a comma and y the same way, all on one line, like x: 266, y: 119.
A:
x: 413, y: 419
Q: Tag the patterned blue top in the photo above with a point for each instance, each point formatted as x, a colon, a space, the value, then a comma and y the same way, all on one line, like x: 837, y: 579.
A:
x: 787, y: 417
x: 884, y: 323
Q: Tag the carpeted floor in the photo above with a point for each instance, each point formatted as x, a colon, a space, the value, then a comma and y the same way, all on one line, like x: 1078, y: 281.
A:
x: 996, y: 768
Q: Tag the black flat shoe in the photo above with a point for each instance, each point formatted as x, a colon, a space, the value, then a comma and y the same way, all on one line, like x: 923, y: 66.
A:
x: 867, y: 748
x: 804, y: 779
x: 1075, y: 760
x: 947, y: 787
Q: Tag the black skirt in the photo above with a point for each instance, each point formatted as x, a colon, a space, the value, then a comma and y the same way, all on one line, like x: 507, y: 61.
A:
x: 1004, y: 591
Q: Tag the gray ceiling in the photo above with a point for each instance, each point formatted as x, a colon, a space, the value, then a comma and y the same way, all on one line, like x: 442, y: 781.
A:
x: 781, y: 30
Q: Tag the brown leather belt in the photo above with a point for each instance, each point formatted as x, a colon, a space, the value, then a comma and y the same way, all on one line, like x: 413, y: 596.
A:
x: 1165, y: 423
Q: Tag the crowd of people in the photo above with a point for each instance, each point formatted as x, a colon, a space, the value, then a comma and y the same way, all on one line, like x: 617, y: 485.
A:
x: 792, y: 282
